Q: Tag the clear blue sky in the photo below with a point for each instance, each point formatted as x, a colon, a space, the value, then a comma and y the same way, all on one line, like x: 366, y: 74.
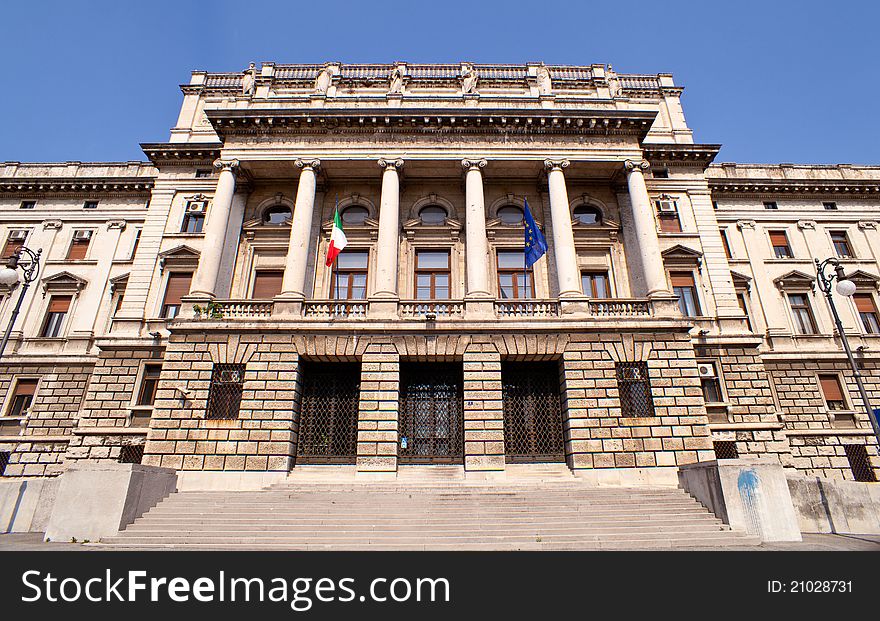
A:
x: 772, y: 81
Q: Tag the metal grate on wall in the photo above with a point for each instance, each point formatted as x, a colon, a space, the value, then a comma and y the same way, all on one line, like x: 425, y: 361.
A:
x: 431, y: 412
x: 227, y: 385
x: 4, y: 461
x: 131, y: 454
x: 725, y: 449
x: 859, y: 463
x: 328, y: 417
x: 532, y: 412
x: 634, y: 387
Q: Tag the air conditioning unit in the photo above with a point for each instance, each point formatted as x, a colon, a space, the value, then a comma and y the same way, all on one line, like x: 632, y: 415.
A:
x: 196, y: 207
x: 666, y: 206
x: 707, y: 369
x: 80, y: 235
x: 18, y: 235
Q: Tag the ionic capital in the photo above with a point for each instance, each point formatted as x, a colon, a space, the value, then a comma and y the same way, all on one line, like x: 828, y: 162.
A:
x: 230, y: 165
x: 551, y: 165
x: 390, y: 164
x: 312, y: 165
x: 632, y: 165
x: 473, y: 164
x: 116, y: 224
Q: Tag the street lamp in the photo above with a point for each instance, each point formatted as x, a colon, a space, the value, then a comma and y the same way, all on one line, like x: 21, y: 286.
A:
x: 29, y: 262
x: 847, y: 288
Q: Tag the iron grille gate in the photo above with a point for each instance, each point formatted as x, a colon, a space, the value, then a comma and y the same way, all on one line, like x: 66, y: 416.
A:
x: 532, y: 412
x: 328, y: 413
x: 431, y: 413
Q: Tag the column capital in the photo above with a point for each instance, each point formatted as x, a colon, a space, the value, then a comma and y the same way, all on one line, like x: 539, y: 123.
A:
x: 230, y: 165
x: 311, y: 164
x: 473, y: 164
x: 556, y: 164
x: 388, y: 164
x: 632, y: 165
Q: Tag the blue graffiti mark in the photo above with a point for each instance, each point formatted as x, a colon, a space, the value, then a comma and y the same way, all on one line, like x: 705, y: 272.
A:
x: 747, y: 483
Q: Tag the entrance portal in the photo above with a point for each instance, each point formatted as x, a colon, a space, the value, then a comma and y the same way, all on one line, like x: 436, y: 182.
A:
x: 532, y: 412
x: 431, y: 412
x: 328, y: 413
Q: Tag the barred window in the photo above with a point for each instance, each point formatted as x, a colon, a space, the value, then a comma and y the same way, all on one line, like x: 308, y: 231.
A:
x: 634, y: 388
x: 131, y: 454
x: 859, y: 462
x: 227, y: 384
x: 725, y: 449
x: 4, y: 461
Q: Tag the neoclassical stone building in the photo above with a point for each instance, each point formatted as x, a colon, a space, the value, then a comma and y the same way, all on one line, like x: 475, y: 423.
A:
x: 184, y: 315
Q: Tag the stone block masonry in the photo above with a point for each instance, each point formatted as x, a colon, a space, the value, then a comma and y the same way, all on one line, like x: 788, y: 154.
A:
x: 483, y: 410
x: 378, y: 408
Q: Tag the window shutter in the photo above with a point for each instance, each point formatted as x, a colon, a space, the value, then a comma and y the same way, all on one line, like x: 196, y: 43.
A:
x: 831, y: 387
x: 682, y: 279
x: 178, y: 286
x: 865, y: 303
x: 26, y: 387
x: 267, y: 284
x: 778, y: 238
x: 78, y: 250
x: 59, y: 303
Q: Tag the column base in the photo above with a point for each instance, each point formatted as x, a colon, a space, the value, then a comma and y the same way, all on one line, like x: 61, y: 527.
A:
x: 665, y: 305
x: 383, y: 308
x: 479, y: 308
x: 287, y: 306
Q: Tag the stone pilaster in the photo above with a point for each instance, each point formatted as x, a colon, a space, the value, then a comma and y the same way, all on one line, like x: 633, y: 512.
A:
x: 378, y: 409
x: 563, y: 235
x: 204, y: 282
x: 483, y: 409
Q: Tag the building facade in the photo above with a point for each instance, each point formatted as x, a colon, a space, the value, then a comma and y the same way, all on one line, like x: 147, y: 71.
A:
x: 184, y: 316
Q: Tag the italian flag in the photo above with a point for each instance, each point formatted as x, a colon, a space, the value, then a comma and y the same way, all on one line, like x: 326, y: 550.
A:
x: 337, y: 239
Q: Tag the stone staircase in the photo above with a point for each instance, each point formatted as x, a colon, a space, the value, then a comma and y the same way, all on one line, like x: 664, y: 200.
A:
x: 431, y: 508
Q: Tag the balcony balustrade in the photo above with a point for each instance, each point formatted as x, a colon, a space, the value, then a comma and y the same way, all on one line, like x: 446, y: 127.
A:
x: 419, y: 309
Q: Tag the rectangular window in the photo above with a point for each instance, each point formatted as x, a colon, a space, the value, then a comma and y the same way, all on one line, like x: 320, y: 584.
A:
x: 4, y: 461
x: 432, y: 275
x: 595, y: 284
x: 744, y: 306
x: 203, y: 173
x: 804, y: 322
x: 514, y: 281
x: 634, y: 388
x: 177, y: 287
x: 59, y: 305
x: 22, y: 397
x: 710, y: 381
x: 829, y: 206
x: 660, y: 173
x: 715, y: 205
x: 117, y: 301
x: 841, y: 244
x: 779, y: 241
x: 137, y: 241
x: 90, y: 205
x: 770, y: 205
x: 27, y: 204
x: 79, y: 245
x: 683, y: 286
x: 726, y: 244
x: 267, y: 284
x: 859, y: 464
x: 667, y: 216
x: 349, y: 281
x: 867, y: 312
x: 14, y: 241
x: 131, y: 454
x: 725, y: 449
x: 193, y: 223
x: 832, y: 392
x: 149, y: 384
x: 224, y: 396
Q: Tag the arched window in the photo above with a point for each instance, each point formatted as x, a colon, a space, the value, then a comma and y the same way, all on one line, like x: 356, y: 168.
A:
x: 585, y: 214
x: 510, y: 214
x: 432, y: 214
x: 277, y: 214
x: 356, y: 214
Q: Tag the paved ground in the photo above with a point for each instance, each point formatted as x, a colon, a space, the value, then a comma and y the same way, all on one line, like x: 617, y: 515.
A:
x: 34, y: 542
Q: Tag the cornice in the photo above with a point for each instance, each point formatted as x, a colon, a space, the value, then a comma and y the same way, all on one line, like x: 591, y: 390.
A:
x: 182, y: 153
x: 758, y: 188
x: 82, y: 187
x: 681, y: 154
x: 430, y: 120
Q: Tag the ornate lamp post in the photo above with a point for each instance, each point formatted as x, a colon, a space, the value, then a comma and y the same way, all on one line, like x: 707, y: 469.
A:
x: 29, y: 262
x: 846, y: 288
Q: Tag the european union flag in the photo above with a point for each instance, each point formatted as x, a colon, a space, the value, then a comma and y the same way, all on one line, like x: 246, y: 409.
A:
x: 536, y: 245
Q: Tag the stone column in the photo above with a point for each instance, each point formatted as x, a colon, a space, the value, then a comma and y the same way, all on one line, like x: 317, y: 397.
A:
x: 293, y: 285
x: 563, y: 236
x: 646, y: 230
x: 477, y: 246
x: 204, y: 282
x: 384, y: 298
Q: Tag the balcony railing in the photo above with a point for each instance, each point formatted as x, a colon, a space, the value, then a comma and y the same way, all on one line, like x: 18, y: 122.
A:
x: 335, y: 309
x: 620, y: 308
x: 243, y: 309
x: 420, y: 309
x: 527, y: 308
